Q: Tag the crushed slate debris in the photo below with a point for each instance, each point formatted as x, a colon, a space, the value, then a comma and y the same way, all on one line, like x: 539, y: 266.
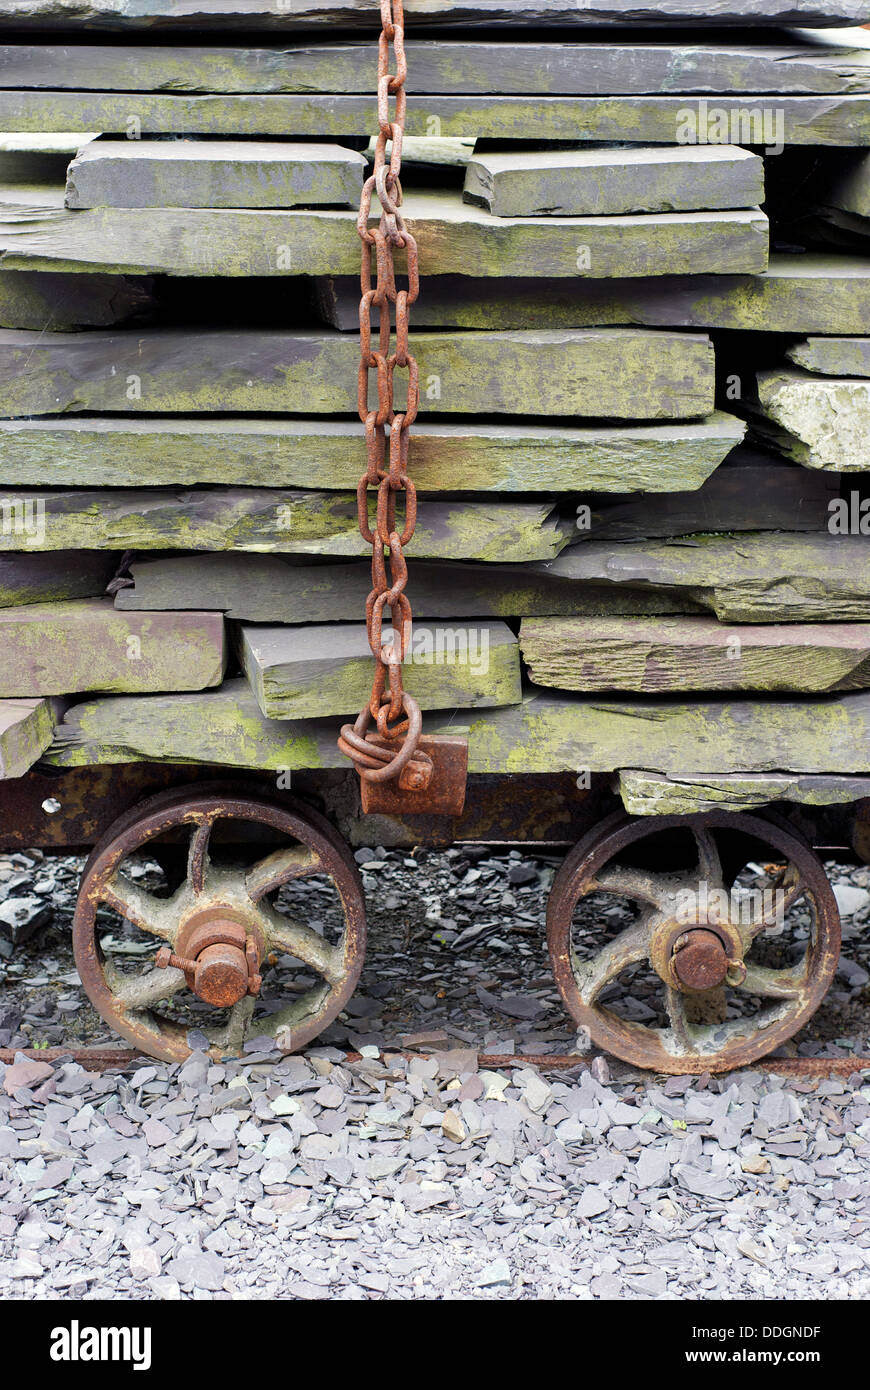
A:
x: 424, y: 1176
x: 327, y: 1178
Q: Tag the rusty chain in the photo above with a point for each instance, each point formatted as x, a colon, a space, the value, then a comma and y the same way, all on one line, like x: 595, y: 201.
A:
x: 396, y: 713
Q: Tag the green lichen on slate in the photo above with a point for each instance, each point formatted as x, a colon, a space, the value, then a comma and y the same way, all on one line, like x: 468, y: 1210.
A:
x: 805, y: 293
x: 88, y: 645
x: 753, y: 577
x: 226, y: 727
x: 94, y: 451
x: 463, y: 65
x: 631, y: 374
x: 261, y: 519
x: 312, y: 671
x: 651, y: 794
x: 29, y: 577
x: 31, y: 299
x: 544, y: 734
x: 26, y: 730
x: 453, y: 238
x: 655, y: 655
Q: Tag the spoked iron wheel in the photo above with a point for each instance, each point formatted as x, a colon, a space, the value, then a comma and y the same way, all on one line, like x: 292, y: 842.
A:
x: 207, y: 952
x: 729, y: 953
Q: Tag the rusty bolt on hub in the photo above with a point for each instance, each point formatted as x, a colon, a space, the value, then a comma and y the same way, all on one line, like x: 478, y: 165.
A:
x: 701, y: 962
x: 222, y: 972
x: 218, y: 976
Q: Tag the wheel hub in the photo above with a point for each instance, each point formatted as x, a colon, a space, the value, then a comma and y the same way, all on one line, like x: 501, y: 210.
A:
x: 699, y: 955
x: 220, y: 955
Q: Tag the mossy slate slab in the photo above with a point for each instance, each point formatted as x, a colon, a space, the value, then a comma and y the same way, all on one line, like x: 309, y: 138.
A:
x: 38, y: 233
x: 311, y: 671
x: 326, y: 15
x: 607, y: 181
x: 802, y: 293
x: 26, y: 730
x: 443, y: 66
x: 652, y: 794
x: 825, y: 420
x: 753, y: 490
x: 765, y: 119
x: 213, y: 174
x: 40, y: 299
x: 274, y: 588
x: 652, y: 655
x: 759, y: 577
x: 847, y: 186
x: 833, y: 356
x: 98, y: 451
x: 635, y: 374
x: 32, y: 576
x: 312, y: 523
x: 546, y: 733
x: 754, y: 577
x: 87, y: 645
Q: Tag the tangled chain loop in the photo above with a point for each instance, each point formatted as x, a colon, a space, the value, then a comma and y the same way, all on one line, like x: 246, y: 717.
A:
x: 395, y: 712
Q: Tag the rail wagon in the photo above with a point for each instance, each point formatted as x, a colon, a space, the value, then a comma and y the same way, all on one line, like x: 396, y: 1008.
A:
x: 431, y: 426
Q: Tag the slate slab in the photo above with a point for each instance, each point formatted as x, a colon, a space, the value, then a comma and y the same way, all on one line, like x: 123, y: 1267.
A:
x: 600, y: 181
x: 213, y: 174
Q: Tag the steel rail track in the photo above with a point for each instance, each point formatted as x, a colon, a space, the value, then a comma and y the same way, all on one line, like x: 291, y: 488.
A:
x: 124, y: 1059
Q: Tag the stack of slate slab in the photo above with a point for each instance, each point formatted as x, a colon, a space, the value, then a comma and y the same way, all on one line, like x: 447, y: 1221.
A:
x: 645, y: 375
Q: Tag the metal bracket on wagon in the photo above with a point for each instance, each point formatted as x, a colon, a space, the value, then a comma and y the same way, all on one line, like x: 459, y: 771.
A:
x: 424, y: 774
x: 436, y: 789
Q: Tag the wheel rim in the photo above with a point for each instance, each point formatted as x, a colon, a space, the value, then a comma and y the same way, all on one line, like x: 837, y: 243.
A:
x: 696, y: 912
x: 215, y: 893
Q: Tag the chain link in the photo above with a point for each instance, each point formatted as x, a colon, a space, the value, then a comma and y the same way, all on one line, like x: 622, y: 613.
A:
x: 396, y: 713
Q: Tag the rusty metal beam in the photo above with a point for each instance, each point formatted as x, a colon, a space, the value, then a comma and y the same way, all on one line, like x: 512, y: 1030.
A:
x: 91, y: 1058
x: 500, y: 808
x: 70, y: 810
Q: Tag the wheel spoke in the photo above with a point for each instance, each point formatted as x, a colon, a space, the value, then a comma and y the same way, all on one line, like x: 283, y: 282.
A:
x: 145, y: 911
x: 639, y: 884
x: 709, y: 863
x: 775, y: 984
x: 626, y: 949
x: 197, y: 859
x: 790, y: 885
x: 681, y: 1029
x: 142, y: 991
x: 296, y: 939
x: 232, y: 1037
x: 279, y: 868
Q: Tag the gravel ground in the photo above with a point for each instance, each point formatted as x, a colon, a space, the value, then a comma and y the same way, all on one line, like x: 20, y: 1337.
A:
x: 424, y: 1177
